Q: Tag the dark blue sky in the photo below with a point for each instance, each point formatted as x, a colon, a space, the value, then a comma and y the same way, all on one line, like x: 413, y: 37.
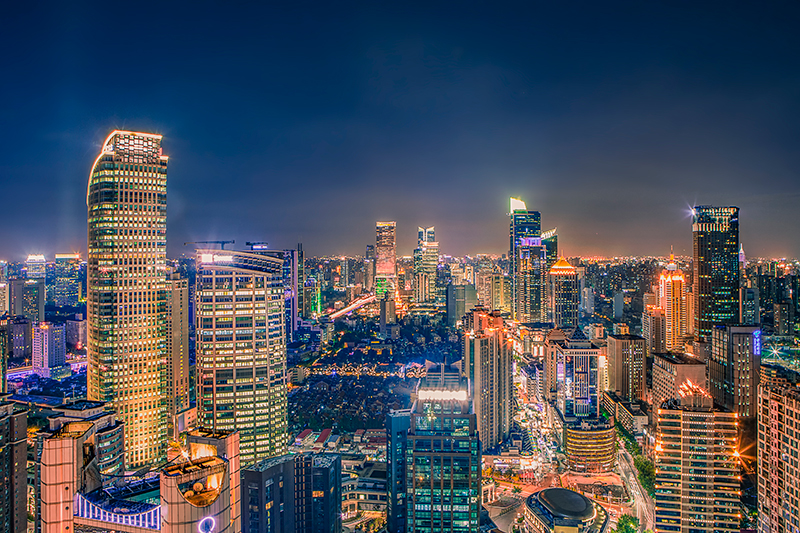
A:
x: 309, y: 122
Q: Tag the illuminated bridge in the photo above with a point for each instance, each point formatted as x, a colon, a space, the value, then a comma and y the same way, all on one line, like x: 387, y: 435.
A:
x: 355, y: 304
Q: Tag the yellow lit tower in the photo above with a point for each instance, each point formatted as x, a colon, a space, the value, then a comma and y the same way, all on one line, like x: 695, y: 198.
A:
x: 673, y: 299
x: 126, y: 289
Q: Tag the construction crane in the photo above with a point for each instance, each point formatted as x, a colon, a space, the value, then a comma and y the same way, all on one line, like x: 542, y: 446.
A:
x: 257, y: 245
x: 221, y: 243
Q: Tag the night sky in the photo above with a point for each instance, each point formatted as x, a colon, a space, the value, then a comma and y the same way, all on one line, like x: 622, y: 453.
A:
x: 310, y: 121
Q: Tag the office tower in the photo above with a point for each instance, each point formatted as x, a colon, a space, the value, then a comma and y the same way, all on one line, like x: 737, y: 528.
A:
x: 269, y: 496
x: 673, y: 299
x: 3, y: 270
x: 618, y: 305
x: 67, y: 279
x: 36, y: 266
x: 550, y: 243
x: 697, y: 465
x: 76, y: 331
x: 749, y: 306
x: 312, y: 304
x: 5, y: 351
x: 26, y: 298
x: 524, y: 225
x: 126, y: 296
x: 530, y: 267
x: 369, y: 268
x: 444, y: 459
x: 778, y: 449
x: 241, y: 356
x: 654, y: 330
x: 5, y: 294
x: 20, y: 343
x: 177, y: 346
x: 460, y: 299
x: 487, y: 364
x: 500, y: 293
x: 733, y: 368
x: 13, y: 468
x: 587, y: 301
x: 385, y: 258
x: 426, y: 261
x: 715, y: 283
x: 49, y: 349
x: 397, y: 426
x: 626, y: 366
x: 576, y: 378
x: 318, y: 485
x: 563, y: 294
x: 291, y: 275
x: 671, y: 370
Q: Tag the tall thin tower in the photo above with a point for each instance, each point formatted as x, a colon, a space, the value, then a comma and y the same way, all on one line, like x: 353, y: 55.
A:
x: 673, y: 299
x: 126, y: 296
x: 385, y: 257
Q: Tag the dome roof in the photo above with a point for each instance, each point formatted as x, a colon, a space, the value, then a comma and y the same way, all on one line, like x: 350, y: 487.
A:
x: 565, y: 503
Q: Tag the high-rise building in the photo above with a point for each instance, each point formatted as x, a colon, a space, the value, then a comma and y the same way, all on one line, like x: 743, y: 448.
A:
x: 563, y: 294
x: 576, y: 376
x: 460, y: 299
x: 385, y: 258
x: 426, y: 261
x: 671, y: 370
x: 5, y: 295
x: 13, y: 468
x: 525, y: 225
x: 312, y: 304
x: 5, y: 351
x: 697, y: 465
x: 369, y: 267
x: 733, y: 369
x: 673, y: 299
x: 654, y: 330
x: 715, y: 283
x: 27, y: 298
x: 318, y: 489
x: 626, y: 366
x: 530, y: 267
x: 36, y: 266
x: 49, y: 350
x: 778, y: 448
x: 177, y: 346
x: 444, y: 457
x: 487, y: 365
x: 241, y: 354
x: 126, y: 296
x: 749, y: 306
x: 397, y: 426
x: 67, y: 279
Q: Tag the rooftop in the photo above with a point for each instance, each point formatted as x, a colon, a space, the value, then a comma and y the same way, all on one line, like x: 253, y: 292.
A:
x: 564, y: 503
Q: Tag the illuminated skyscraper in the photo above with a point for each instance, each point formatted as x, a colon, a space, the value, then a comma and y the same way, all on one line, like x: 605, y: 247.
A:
x: 26, y: 298
x: 177, y: 345
x: 524, y: 225
x: 487, y: 365
x: 49, y: 350
x: 697, y: 465
x: 673, y: 299
x: 563, y: 294
x: 530, y: 267
x: 385, y: 258
x: 715, y: 284
x: 126, y: 297
x: 654, y: 327
x: 241, y: 349
x: 67, y: 279
x: 733, y: 368
x: 626, y: 366
x: 426, y: 261
x: 36, y: 266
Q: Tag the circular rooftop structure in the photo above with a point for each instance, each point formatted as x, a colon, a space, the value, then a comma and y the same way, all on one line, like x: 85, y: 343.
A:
x: 564, y: 503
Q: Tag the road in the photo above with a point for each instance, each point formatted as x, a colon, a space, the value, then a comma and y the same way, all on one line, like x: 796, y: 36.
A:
x: 642, y: 501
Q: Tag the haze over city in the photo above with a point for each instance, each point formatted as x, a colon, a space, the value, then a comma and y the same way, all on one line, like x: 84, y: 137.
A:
x: 307, y: 123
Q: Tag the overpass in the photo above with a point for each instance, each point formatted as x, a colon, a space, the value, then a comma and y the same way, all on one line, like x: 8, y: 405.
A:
x: 355, y: 304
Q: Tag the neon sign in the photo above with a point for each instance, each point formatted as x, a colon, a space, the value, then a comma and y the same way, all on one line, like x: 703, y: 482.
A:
x: 757, y: 342
x: 207, y: 525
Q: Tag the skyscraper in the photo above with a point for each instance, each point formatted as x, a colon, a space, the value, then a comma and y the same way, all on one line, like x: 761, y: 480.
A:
x: 26, y: 298
x: 654, y: 328
x: 49, y: 350
x: 626, y: 366
x: 241, y: 349
x: 444, y: 457
x: 673, y: 299
x: 397, y: 426
x: 697, y: 471
x: 67, y: 279
x: 530, y: 267
x: 126, y: 297
x: 426, y: 261
x: 488, y: 367
x: 715, y: 284
x: 36, y: 266
x: 733, y: 368
x: 177, y: 345
x: 524, y: 225
x: 13, y: 455
x: 385, y: 258
x: 563, y: 294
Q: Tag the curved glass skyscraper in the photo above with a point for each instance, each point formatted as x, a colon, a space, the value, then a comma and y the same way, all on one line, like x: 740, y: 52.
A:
x: 126, y: 296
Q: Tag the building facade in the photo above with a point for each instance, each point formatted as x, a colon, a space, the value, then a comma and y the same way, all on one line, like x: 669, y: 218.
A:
x: 673, y: 300
x: 385, y: 257
x: 733, y: 368
x: 177, y: 346
x: 241, y: 349
x: 49, y: 347
x: 626, y: 366
x: 126, y: 296
x: 67, y: 279
x: 715, y: 280
x: 13, y: 463
x: 563, y: 294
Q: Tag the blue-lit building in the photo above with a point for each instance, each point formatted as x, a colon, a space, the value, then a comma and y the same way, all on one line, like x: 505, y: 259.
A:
x: 525, y: 224
x: 397, y: 426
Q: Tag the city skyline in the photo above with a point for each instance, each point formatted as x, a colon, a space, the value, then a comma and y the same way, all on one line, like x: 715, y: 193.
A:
x: 440, y: 114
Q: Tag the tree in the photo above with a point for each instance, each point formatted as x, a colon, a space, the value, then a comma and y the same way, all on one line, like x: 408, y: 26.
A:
x: 516, y: 490
x: 627, y: 524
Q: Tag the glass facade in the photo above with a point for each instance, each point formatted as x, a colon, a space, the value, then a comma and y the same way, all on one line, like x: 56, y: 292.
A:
x: 126, y: 297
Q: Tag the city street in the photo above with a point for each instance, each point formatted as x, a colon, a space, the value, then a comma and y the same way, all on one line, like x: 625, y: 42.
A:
x: 642, y: 501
